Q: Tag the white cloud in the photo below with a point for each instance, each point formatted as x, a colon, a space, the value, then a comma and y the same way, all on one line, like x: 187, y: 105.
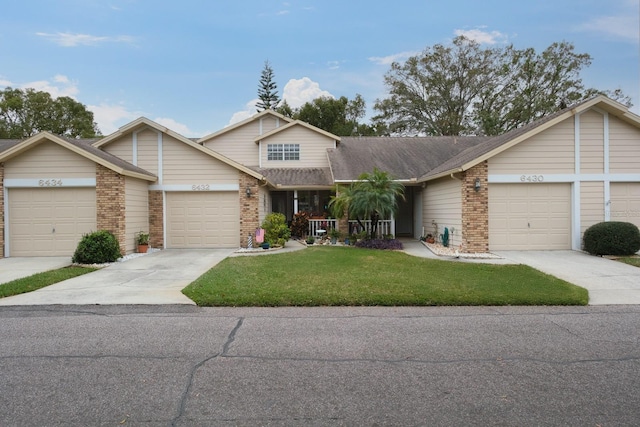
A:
x: 110, y: 117
x: 59, y: 85
x: 299, y: 91
x: 182, y: 129
x: 483, y: 37
x: 296, y: 92
x: 249, y: 110
x: 624, y: 27
x: 66, y: 88
x: 396, y: 57
x: 72, y: 40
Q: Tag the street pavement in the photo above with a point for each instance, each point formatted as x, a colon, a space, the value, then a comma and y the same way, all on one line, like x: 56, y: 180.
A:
x: 345, y: 366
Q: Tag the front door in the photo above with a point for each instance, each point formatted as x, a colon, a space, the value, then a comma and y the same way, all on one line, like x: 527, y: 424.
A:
x: 404, y: 218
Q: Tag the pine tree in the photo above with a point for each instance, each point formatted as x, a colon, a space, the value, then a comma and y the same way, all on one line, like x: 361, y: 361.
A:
x: 267, y: 90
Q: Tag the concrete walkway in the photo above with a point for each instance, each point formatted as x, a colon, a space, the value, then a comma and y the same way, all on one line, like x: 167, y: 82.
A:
x: 156, y: 278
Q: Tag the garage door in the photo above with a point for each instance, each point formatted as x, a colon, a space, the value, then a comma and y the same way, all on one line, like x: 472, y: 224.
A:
x: 529, y: 216
x: 49, y: 221
x: 625, y: 202
x: 203, y: 220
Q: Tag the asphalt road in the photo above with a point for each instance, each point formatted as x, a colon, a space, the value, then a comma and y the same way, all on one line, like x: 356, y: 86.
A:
x: 187, y: 366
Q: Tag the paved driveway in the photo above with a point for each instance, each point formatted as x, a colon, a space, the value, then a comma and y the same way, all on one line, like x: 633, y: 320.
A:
x: 156, y: 278
x: 608, y: 282
x: 19, y: 267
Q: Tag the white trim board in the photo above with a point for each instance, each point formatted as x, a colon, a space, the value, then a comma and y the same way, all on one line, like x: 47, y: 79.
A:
x: 569, y: 177
x: 199, y: 187
x: 48, y: 182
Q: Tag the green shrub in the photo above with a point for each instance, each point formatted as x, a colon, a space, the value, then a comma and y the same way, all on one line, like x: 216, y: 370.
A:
x: 612, y: 238
x: 276, y: 232
x: 97, y: 248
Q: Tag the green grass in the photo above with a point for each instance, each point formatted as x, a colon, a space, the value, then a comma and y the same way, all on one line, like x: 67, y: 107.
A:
x: 631, y: 260
x: 40, y: 280
x: 363, y: 277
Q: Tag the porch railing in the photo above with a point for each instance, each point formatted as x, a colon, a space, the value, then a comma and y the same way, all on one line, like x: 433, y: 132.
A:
x: 385, y: 227
x: 321, y: 224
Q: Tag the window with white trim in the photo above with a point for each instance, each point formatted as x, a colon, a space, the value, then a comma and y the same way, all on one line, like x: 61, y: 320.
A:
x: 283, y: 151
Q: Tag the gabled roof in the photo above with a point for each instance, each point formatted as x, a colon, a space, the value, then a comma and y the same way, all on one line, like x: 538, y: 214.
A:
x: 244, y: 122
x: 283, y: 178
x: 495, y: 145
x: 404, y: 158
x: 144, y: 122
x: 294, y: 124
x: 82, y: 148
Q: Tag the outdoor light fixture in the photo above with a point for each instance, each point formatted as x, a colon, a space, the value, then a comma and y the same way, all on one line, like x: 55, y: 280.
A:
x: 476, y: 186
x: 248, y: 191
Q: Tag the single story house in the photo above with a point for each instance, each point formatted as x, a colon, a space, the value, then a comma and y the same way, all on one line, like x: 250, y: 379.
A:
x: 537, y: 187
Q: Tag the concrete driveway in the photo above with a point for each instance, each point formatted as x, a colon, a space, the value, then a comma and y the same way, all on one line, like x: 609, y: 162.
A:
x: 156, y: 278
x: 18, y: 267
x: 608, y: 282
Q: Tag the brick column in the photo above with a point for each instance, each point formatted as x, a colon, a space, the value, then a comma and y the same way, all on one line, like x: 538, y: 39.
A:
x: 2, y: 210
x: 249, y: 214
x: 475, y: 210
x: 156, y: 219
x: 110, y: 203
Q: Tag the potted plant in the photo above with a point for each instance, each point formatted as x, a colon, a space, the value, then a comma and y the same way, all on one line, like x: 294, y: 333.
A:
x: 142, y: 240
x: 310, y: 240
x: 430, y: 239
x: 334, y: 234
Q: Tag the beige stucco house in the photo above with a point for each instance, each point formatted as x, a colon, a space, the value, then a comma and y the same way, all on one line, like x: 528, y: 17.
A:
x: 538, y: 187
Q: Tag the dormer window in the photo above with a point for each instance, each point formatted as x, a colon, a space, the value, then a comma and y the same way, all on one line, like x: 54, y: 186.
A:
x: 283, y: 152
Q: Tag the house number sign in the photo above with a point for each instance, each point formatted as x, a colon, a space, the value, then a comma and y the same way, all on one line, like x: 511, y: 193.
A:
x: 532, y: 178
x: 200, y: 187
x: 54, y: 182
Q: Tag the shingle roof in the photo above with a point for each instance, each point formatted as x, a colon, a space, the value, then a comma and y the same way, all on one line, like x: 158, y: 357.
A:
x: 403, y: 158
x: 298, y: 177
x: 5, y: 144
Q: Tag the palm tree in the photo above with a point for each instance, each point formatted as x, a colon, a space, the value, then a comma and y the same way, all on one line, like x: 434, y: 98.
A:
x: 374, y: 196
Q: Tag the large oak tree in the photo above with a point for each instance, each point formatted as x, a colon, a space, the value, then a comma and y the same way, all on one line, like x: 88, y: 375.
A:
x: 463, y: 88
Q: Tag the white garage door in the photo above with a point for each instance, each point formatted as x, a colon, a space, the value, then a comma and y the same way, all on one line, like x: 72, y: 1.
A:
x: 49, y: 221
x: 625, y: 202
x: 529, y: 216
x: 203, y: 220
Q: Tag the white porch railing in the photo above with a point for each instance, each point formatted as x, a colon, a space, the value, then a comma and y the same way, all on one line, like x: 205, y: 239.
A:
x: 385, y: 227
x: 321, y: 224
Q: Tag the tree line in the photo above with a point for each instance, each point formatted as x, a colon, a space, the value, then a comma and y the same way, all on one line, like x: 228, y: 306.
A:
x: 460, y: 88
x: 457, y: 89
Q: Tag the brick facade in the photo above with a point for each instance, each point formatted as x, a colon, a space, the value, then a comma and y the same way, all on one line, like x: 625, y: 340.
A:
x: 110, y: 203
x: 249, y: 213
x: 2, y: 210
x: 475, y: 209
x: 156, y: 219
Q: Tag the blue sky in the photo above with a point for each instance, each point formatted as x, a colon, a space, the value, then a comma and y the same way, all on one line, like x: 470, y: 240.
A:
x: 194, y: 66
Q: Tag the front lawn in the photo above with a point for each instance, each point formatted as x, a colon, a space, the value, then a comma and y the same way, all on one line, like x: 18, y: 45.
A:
x: 323, y: 276
x: 631, y: 260
x: 40, y: 280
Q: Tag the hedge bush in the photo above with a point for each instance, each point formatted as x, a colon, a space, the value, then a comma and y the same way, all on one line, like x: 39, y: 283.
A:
x: 98, y: 247
x: 393, y: 244
x: 612, y: 238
